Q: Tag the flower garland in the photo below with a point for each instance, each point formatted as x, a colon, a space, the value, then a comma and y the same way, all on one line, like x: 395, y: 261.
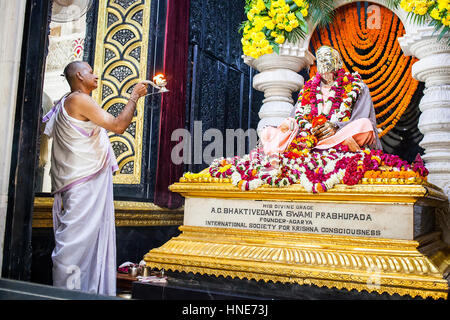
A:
x: 376, y: 55
x: 317, y: 170
x: 337, y: 107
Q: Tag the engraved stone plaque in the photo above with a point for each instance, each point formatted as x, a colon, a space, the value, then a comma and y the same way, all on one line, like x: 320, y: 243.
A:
x: 375, y: 220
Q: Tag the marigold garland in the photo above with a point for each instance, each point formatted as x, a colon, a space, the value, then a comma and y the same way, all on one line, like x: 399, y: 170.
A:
x: 376, y: 55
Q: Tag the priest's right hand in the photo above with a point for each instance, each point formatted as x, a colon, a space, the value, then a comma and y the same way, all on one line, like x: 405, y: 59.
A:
x: 139, y: 90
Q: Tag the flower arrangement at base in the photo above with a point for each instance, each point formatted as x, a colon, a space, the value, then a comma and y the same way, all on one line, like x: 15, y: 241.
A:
x: 317, y: 170
x: 272, y: 22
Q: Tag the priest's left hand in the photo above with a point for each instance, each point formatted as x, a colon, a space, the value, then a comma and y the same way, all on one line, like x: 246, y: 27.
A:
x: 324, y: 131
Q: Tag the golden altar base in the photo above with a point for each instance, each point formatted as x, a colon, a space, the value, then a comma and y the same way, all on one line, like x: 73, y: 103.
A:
x: 418, y: 267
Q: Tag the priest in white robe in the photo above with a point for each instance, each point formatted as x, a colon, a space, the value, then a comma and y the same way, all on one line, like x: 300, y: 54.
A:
x: 82, y: 164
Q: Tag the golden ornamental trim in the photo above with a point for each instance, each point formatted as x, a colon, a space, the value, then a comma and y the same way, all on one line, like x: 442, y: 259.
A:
x: 127, y: 214
x: 374, y: 265
x: 340, y: 193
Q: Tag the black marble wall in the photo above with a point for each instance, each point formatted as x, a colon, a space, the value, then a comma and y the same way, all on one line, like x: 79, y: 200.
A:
x: 132, y: 244
x: 220, y: 92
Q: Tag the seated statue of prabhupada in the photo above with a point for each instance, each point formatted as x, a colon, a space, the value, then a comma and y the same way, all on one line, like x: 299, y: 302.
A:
x: 330, y: 138
x: 334, y: 106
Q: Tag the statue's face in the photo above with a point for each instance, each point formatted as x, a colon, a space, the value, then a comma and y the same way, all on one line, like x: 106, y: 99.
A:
x: 327, y: 61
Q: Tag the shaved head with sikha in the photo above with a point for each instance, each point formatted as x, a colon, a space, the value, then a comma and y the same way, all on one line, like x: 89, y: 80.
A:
x: 79, y: 75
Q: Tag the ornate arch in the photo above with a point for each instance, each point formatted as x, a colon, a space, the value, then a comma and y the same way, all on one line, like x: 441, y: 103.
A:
x: 401, y: 14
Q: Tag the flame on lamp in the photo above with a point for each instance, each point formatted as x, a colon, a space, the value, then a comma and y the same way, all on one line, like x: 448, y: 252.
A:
x: 160, y: 80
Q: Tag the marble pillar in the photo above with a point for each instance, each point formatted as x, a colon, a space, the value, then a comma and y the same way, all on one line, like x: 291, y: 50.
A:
x: 11, y: 32
x: 433, y: 68
x: 278, y: 78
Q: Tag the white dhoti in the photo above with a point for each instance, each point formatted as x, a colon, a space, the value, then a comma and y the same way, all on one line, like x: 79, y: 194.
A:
x: 84, y: 257
x: 85, y: 241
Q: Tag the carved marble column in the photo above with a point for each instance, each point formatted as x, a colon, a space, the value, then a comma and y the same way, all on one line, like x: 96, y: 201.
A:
x: 278, y: 78
x: 433, y: 68
x: 11, y: 31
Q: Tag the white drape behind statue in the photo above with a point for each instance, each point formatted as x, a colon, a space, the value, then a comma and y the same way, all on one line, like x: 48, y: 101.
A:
x: 81, y: 169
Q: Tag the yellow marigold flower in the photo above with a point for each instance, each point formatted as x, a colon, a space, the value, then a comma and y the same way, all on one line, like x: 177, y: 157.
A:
x: 445, y: 21
x: 407, y: 5
x: 258, y: 23
x: 288, y: 28
x: 274, y: 34
x: 280, y: 26
x: 263, y: 43
x: 285, y: 8
x: 442, y: 4
x: 293, y: 23
x: 269, y: 50
x: 225, y: 168
x: 420, y: 10
x: 270, y: 25
x: 291, y: 16
x: 346, y: 119
x: 280, y: 17
x: 258, y: 36
x: 435, y: 14
x: 260, y: 5
x: 304, y: 12
x: 280, y: 39
x: 299, y: 3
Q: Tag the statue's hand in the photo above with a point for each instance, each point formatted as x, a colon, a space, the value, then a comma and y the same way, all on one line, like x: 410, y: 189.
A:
x: 287, y: 125
x: 284, y: 127
x: 324, y: 131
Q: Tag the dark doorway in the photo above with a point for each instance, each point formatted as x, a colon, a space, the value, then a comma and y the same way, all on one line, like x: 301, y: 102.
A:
x: 17, y: 245
x: 219, y: 83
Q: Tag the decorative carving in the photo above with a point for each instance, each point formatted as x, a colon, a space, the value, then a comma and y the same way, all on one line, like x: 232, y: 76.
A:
x: 127, y: 214
x: 416, y: 267
x: 340, y: 192
x: 323, y: 260
x: 121, y: 61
